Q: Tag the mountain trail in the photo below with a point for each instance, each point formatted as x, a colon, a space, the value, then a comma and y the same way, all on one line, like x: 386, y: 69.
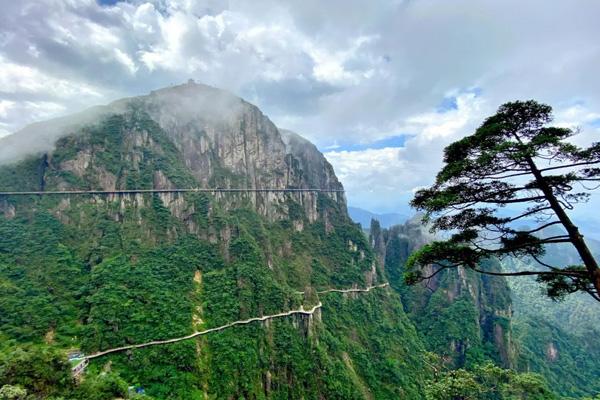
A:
x: 300, y: 311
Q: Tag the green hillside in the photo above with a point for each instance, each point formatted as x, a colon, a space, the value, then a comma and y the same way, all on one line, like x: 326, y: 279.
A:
x: 474, y: 324
x: 94, y: 272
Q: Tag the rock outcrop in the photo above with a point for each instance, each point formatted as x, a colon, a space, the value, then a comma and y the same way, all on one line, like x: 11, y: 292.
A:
x: 463, y: 315
x: 106, y: 271
x: 222, y: 140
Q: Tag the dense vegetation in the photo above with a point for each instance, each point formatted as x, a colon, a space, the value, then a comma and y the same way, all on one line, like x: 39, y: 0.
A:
x: 556, y: 339
x: 90, y: 273
x: 485, y: 382
x: 93, y: 273
x: 457, y: 317
x: 460, y: 316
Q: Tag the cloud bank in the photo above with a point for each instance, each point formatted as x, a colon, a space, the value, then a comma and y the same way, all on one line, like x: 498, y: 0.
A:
x: 348, y: 74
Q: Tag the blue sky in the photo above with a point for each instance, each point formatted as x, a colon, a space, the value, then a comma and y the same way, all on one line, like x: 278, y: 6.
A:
x: 391, y: 141
x: 381, y: 87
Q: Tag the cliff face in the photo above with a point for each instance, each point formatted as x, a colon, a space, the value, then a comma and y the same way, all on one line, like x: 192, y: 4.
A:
x: 97, y: 272
x: 553, y: 337
x: 217, y: 131
x: 219, y: 139
x: 463, y: 316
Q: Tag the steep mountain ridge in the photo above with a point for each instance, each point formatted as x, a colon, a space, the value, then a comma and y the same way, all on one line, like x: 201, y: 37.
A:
x: 468, y: 318
x: 223, y: 142
x: 462, y: 316
x: 95, y: 272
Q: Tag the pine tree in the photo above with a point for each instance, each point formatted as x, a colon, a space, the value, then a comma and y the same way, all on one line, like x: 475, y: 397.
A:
x: 513, y: 169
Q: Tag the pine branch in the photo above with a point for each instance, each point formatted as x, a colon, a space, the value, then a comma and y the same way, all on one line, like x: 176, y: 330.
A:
x: 569, y: 165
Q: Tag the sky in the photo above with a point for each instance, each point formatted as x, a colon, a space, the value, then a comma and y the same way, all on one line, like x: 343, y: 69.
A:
x: 380, y: 86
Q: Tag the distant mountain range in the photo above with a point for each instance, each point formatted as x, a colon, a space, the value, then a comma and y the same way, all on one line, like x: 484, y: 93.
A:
x: 589, y: 227
x: 386, y: 220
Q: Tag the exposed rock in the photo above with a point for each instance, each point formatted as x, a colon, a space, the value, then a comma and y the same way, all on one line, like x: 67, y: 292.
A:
x: 488, y: 296
x: 551, y: 352
x: 50, y: 335
x: 7, y: 209
x: 161, y: 181
x: 298, y: 226
x: 217, y: 131
x: 371, y: 275
x: 107, y: 181
x: 223, y: 140
x: 79, y: 164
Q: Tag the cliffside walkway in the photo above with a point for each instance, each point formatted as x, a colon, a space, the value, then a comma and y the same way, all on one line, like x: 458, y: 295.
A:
x: 300, y: 311
x: 185, y: 190
x: 353, y: 290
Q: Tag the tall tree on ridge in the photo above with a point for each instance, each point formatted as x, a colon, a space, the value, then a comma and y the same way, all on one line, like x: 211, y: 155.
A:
x: 514, y: 158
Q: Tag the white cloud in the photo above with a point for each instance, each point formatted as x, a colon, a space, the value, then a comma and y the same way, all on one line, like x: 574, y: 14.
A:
x: 5, y: 106
x: 435, y: 125
x: 329, y: 66
x: 580, y: 118
x: 124, y: 59
x: 575, y: 116
x: 4, y: 130
x: 341, y: 71
x: 385, y: 178
x: 373, y: 177
x: 33, y: 95
x: 15, y: 78
x: 167, y: 53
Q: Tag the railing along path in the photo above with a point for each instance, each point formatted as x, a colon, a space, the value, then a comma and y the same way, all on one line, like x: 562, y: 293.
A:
x: 300, y: 310
x: 185, y: 190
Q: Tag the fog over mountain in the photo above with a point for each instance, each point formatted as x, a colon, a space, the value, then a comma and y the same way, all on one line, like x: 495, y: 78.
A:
x: 216, y: 105
x: 175, y: 178
x: 380, y: 87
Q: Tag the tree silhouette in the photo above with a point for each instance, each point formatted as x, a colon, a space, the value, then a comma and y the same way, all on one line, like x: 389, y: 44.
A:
x: 515, y: 165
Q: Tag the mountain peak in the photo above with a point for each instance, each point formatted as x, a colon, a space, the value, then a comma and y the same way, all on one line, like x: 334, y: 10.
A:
x: 185, y: 102
x: 215, y: 138
x: 100, y: 271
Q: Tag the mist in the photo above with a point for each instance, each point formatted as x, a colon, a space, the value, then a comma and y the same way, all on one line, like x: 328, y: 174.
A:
x: 192, y: 103
x: 41, y: 137
x: 174, y: 106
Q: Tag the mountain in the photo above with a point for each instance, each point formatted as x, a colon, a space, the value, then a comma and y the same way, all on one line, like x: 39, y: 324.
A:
x: 386, y: 220
x: 88, y: 273
x: 462, y: 316
x: 554, y: 336
x: 468, y: 318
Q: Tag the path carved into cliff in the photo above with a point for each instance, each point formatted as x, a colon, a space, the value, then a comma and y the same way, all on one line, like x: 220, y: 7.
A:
x: 353, y: 290
x: 186, y: 190
x: 299, y: 311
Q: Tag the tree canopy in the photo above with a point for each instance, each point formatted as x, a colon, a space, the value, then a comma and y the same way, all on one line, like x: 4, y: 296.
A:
x: 514, y: 170
x: 485, y: 382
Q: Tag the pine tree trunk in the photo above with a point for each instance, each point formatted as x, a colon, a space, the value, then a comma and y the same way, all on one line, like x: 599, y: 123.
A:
x: 574, y: 235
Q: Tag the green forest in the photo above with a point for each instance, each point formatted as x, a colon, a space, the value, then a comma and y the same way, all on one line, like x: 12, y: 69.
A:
x: 98, y: 273
x: 88, y: 273
x: 468, y: 357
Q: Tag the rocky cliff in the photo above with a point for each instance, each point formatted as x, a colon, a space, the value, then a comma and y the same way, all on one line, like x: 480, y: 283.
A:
x: 94, y: 272
x: 463, y: 316
x: 219, y: 139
